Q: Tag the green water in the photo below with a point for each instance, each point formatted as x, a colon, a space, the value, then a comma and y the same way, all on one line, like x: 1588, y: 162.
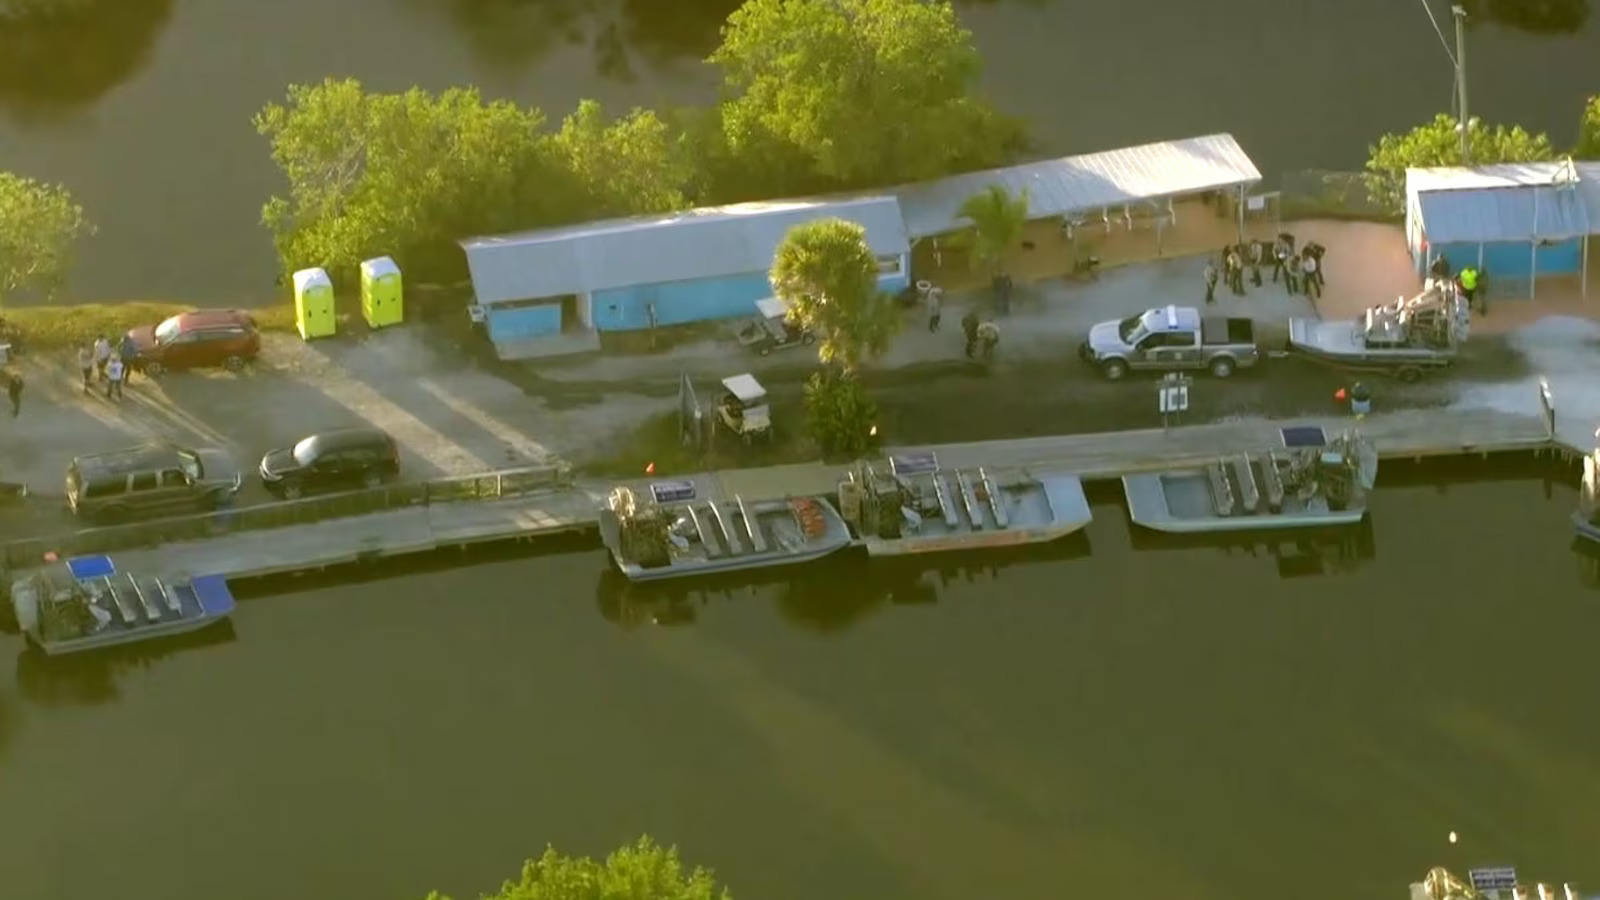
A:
x: 1092, y: 720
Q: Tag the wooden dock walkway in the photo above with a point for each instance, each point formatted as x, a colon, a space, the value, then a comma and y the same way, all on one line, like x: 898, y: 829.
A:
x: 1403, y: 434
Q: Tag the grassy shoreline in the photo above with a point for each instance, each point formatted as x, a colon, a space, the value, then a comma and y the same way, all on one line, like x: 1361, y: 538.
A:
x: 47, y: 329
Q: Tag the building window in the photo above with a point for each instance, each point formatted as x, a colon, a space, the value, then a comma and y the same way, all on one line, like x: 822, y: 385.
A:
x: 889, y: 265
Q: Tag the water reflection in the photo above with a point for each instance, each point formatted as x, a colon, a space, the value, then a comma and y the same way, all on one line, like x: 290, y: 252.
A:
x: 92, y: 679
x: 1295, y: 554
x: 59, y: 56
x: 1552, y: 17
x: 827, y: 598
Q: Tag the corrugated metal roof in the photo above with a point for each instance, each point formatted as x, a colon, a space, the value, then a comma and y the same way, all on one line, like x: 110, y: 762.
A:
x: 1489, y: 215
x: 1082, y: 183
x: 712, y: 242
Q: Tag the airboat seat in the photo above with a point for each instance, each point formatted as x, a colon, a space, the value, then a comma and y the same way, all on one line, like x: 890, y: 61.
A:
x: 712, y: 548
x: 1272, y: 482
x: 1222, y: 501
x: 997, y: 500
x: 728, y: 534
x: 969, y: 500
x: 752, y: 530
x: 947, y: 509
x: 1249, y: 494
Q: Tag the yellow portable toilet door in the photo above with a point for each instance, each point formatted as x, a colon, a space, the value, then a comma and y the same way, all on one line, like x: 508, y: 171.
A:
x: 313, y: 304
x: 382, y: 298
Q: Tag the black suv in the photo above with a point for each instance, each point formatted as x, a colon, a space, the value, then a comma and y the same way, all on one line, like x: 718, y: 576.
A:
x: 150, y: 481
x: 342, y: 460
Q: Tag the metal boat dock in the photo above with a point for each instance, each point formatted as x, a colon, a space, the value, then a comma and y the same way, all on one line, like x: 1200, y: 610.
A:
x: 1410, y: 434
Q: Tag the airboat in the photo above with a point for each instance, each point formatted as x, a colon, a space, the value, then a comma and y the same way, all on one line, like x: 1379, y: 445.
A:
x: 919, y: 507
x: 1403, y: 338
x: 1308, y: 482
x: 85, y: 603
x: 670, y: 534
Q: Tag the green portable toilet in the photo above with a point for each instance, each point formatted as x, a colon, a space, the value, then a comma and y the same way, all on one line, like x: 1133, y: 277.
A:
x: 313, y: 304
x: 382, y: 300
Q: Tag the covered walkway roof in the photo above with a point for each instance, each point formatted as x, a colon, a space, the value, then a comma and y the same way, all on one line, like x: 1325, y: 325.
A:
x: 1073, y: 184
x: 1514, y: 202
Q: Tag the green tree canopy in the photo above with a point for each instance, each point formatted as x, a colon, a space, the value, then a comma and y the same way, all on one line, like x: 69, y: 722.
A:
x: 634, y: 165
x: 828, y: 275
x: 997, y: 219
x: 396, y: 174
x: 840, y: 416
x: 640, y: 871
x: 1437, y: 143
x: 862, y: 92
x: 40, y: 225
x: 1589, y: 130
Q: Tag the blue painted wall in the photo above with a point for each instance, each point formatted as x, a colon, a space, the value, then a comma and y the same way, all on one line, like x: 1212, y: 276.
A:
x: 1515, y: 260
x: 685, y: 302
x: 520, y: 322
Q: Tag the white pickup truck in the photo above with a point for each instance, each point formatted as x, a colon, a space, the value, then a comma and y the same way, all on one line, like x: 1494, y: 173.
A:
x: 1172, y: 339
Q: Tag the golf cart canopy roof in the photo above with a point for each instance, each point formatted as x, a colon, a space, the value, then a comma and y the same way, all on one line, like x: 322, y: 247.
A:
x: 772, y: 308
x: 745, y: 388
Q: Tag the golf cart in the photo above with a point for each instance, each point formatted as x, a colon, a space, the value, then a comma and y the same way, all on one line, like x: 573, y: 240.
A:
x: 771, y: 330
x: 743, y: 408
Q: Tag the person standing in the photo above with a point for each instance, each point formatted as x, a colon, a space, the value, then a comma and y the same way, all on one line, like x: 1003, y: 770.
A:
x: 1469, y: 285
x: 1291, y: 274
x: 14, y: 392
x: 114, y: 373
x: 1258, y: 254
x: 129, y: 351
x: 935, y: 307
x: 1211, y: 282
x: 86, y: 366
x: 1318, y: 252
x: 102, y: 355
x: 1235, y: 272
x: 1308, y: 270
x: 969, y: 328
x: 1280, y: 260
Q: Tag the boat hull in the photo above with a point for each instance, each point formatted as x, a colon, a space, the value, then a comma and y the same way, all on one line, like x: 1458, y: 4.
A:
x: 1586, y: 529
x: 123, y: 638
x: 1148, y: 508
x: 970, y: 540
x: 724, y: 565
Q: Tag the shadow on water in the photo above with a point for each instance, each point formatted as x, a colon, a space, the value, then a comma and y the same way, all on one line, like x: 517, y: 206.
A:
x: 58, y: 57
x: 826, y: 598
x: 91, y: 679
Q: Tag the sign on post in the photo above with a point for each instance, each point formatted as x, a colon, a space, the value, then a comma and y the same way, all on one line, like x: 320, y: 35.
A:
x: 1492, y: 879
x: 1172, y: 397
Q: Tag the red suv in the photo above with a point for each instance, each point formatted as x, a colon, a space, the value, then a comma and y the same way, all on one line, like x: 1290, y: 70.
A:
x: 197, y: 340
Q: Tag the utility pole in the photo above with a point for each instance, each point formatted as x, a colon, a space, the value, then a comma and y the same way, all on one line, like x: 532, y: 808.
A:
x: 1463, y: 121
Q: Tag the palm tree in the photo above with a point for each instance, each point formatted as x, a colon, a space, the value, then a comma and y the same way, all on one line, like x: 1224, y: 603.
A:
x: 827, y: 274
x: 997, y: 219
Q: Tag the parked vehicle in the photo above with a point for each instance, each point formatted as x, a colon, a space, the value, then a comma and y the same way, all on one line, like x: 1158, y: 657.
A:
x: 150, y: 481
x: 212, y: 338
x: 743, y: 408
x: 345, y: 459
x: 771, y: 329
x: 1172, y: 339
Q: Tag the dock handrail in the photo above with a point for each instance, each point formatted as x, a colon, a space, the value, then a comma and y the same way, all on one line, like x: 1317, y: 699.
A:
x: 488, y: 486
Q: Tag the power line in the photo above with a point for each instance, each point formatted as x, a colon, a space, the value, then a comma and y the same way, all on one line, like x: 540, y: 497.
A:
x: 1443, y: 42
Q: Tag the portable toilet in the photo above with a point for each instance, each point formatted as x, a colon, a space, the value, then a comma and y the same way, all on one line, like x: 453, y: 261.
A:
x: 313, y: 304
x: 382, y: 300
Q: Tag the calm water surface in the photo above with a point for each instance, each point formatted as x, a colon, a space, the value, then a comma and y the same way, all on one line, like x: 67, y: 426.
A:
x: 1103, y: 718
x: 143, y: 106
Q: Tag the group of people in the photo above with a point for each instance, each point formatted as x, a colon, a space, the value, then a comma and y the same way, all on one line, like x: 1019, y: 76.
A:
x: 1301, y: 271
x: 982, y: 335
x: 109, y: 366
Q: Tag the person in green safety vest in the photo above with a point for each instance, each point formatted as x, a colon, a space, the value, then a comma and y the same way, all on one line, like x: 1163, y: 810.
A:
x: 1469, y: 285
